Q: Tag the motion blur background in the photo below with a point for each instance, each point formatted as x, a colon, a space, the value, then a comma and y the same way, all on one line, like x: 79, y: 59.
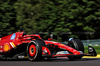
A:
x: 58, y: 19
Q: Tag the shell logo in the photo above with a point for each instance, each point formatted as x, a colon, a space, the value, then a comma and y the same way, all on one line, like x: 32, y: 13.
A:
x: 62, y: 44
x: 6, y: 47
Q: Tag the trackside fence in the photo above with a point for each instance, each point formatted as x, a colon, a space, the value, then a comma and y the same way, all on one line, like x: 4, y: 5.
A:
x: 94, y: 42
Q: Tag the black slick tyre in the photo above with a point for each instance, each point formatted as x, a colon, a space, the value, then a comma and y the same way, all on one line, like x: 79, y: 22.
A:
x: 78, y: 45
x: 34, y: 50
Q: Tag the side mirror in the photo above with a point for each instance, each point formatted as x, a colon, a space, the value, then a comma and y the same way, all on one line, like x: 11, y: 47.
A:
x: 49, y: 39
x: 92, y: 51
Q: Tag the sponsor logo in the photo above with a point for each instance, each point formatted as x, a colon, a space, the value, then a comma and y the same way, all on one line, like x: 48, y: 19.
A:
x: 62, y: 44
x: 13, y: 36
x: 6, y: 47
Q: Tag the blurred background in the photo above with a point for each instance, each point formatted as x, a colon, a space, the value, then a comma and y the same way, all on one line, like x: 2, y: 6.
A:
x: 57, y: 19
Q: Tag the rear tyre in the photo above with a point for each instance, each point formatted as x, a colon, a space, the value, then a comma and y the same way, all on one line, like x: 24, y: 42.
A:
x: 34, y: 50
x: 78, y: 45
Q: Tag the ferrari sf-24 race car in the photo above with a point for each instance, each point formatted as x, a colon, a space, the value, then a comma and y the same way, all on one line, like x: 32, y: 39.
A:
x: 33, y: 47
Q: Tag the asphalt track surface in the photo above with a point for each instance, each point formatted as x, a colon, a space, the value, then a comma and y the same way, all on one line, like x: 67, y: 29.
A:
x: 53, y: 62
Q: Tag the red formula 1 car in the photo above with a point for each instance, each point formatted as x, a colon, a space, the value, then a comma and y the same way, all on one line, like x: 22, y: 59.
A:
x: 20, y: 45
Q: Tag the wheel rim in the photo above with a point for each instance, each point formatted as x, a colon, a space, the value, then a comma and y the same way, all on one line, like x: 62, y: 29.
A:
x: 32, y: 50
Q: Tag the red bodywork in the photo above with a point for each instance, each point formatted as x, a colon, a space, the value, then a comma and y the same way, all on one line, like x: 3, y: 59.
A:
x: 13, y: 41
x: 64, y: 47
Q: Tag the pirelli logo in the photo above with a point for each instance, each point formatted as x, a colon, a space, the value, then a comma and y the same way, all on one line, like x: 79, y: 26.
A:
x: 12, y: 44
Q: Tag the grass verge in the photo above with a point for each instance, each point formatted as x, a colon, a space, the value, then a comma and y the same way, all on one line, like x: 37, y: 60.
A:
x: 97, y: 48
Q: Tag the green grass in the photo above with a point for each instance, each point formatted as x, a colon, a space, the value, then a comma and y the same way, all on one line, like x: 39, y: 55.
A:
x: 97, y: 48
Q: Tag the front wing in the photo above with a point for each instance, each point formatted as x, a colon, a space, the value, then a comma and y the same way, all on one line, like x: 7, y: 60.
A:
x: 91, y: 52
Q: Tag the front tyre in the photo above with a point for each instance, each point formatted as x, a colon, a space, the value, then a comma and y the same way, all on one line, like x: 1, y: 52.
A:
x: 78, y: 45
x: 34, y: 50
